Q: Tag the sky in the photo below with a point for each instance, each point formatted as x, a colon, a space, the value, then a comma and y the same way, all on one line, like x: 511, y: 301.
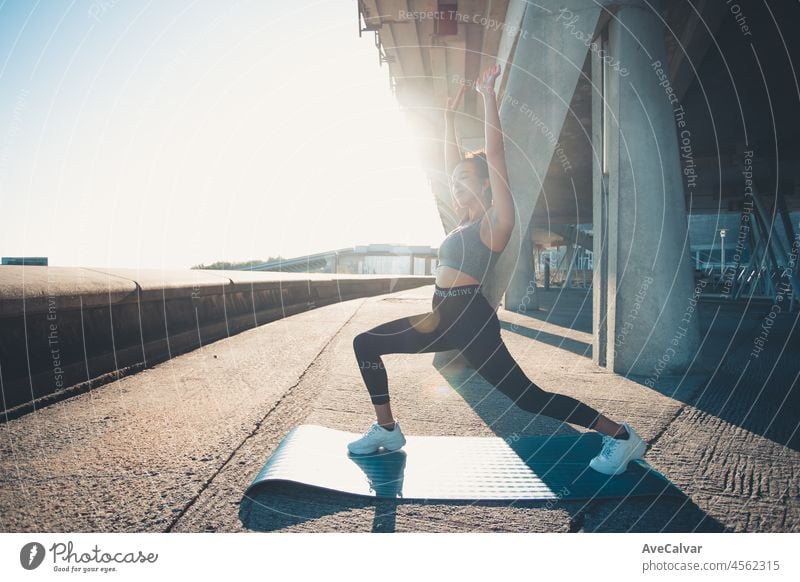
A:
x: 170, y: 133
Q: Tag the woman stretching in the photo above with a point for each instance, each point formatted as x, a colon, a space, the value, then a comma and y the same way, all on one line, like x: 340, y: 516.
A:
x: 462, y: 318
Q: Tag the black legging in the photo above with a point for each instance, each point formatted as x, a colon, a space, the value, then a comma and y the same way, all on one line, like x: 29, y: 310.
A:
x: 462, y: 319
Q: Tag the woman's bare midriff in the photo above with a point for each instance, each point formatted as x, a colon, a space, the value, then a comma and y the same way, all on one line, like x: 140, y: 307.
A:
x: 449, y: 277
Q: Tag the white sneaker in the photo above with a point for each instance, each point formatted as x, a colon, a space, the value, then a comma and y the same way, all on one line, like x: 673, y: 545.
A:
x: 377, y: 437
x: 616, y: 453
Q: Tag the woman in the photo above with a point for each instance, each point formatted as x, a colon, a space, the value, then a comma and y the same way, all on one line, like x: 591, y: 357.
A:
x: 462, y: 318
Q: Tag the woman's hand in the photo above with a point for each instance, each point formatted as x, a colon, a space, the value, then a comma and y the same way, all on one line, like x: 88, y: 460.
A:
x: 485, y: 83
x: 454, y: 102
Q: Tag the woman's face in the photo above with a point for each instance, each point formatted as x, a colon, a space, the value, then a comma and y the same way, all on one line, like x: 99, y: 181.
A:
x: 466, y: 185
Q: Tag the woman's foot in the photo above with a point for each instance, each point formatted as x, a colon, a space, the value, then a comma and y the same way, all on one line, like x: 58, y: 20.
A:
x: 617, y: 452
x: 377, y: 436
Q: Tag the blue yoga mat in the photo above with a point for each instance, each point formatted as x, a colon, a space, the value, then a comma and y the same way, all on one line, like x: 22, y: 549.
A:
x: 453, y: 468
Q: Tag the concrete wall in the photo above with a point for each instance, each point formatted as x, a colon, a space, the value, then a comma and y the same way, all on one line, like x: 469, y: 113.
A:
x: 66, y: 330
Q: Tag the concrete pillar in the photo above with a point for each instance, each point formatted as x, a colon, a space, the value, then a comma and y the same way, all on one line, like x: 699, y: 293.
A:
x: 599, y: 209
x: 569, y: 262
x: 542, y: 77
x: 651, y: 319
x: 521, y: 294
x: 547, y: 273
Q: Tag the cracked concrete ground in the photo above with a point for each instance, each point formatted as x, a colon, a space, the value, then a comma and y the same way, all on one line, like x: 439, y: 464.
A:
x: 173, y: 448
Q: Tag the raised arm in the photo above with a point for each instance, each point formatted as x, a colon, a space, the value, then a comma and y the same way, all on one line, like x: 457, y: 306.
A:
x: 502, y: 211
x: 452, y: 153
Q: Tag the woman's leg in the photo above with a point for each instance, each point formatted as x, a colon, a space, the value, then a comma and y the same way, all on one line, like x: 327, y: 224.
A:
x: 488, y: 354
x: 408, y: 335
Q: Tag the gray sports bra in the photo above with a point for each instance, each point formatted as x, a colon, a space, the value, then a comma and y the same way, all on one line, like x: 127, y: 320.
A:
x: 464, y: 250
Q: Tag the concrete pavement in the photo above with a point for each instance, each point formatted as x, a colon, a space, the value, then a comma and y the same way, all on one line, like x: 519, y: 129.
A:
x: 173, y: 447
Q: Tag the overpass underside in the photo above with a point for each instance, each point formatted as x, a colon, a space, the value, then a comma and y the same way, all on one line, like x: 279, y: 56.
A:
x: 628, y: 115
